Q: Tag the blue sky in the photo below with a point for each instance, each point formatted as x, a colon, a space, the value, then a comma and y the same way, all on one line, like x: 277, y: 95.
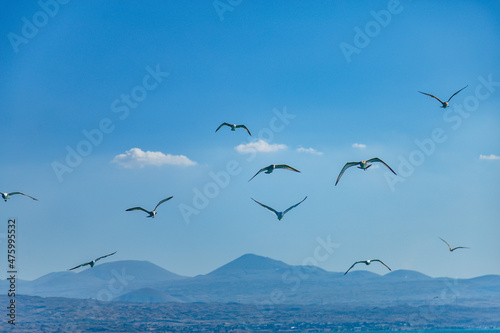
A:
x: 190, y: 67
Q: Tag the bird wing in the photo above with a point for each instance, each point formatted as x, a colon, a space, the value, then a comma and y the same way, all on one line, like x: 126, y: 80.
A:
x: 159, y: 203
x: 285, y: 166
x: 137, y: 208
x: 376, y: 159
x: 14, y: 193
x: 357, y: 262
x: 380, y: 261
x: 218, y: 128
x: 290, y: 208
x: 107, y: 255
x: 267, y: 207
x: 243, y: 126
x: 431, y: 96
x: 87, y: 263
x: 258, y: 173
x: 346, y: 166
x: 460, y: 247
x: 446, y: 243
x: 457, y: 92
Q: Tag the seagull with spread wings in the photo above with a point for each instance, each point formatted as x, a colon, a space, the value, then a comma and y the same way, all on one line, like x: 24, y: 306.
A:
x: 444, y: 104
x: 270, y: 169
x: 366, y: 262
x: 151, y: 213
x: 233, y: 127
x: 92, y: 263
x: 362, y: 165
x: 280, y: 215
x: 6, y: 196
x: 453, y: 248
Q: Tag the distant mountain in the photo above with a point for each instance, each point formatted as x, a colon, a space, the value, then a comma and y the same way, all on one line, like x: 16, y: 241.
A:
x: 249, y: 264
x: 488, y: 279
x: 63, y: 284
x: 143, y: 271
x: 54, y: 275
x: 255, y: 279
x: 362, y: 274
x: 245, y: 279
x: 104, y: 281
x: 146, y: 295
x: 406, y: 275
x: 257, y: 267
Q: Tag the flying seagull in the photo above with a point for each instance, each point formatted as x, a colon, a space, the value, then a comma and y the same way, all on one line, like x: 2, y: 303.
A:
x: 362, y: 165
x: 366, y: 262
x: 280, y: 215
x: 153, y: 212
x: 270, y: 169
x: 444, y: 104
x: 92, y: 263
x: 453, y: 248
x: 233, y: 127
x: 6, y: 196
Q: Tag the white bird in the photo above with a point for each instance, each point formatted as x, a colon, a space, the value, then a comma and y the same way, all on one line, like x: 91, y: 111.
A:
x: 151, y: 213
x: 362, y: 165
x: 280, y: 215
x: 6, y: 196
x: 366, y: 262
x: 270, y: 169
x: 92, y: 263
x: 453, y: 248
x: 444, y: 104
x: 233, y: 127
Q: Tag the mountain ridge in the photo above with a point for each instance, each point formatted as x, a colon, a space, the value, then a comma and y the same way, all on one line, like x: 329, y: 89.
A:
x: 251, y: 278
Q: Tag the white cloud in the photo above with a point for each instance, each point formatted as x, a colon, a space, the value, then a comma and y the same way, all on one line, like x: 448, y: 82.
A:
x: 259, y: 146
x: 309, y: 150
x: 358, y: 145
x: 135, y: 157
x: 489, y: 157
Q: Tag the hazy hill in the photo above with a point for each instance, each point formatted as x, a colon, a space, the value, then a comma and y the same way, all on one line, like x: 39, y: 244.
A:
x: 142, y: 271
x: 248, y: 264
x: 251, y: 278
x: 103, y: 281
x: 255, y: 279
x: 406, y: 275
x: 147, y: 295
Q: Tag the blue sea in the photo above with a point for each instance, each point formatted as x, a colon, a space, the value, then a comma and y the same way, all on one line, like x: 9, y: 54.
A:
x: 415, y: 331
